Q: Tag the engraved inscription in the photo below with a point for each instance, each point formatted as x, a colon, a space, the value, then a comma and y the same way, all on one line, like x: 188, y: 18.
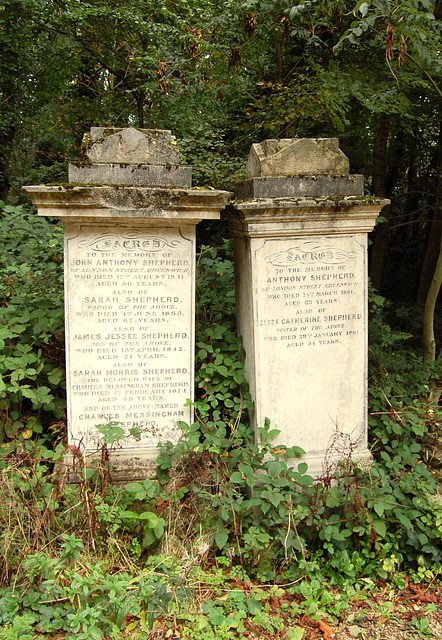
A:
x: 310, y: 325
x: 129, y: 308
x: 129, y: 241
x: 309, y: 288
x: 310, y: 252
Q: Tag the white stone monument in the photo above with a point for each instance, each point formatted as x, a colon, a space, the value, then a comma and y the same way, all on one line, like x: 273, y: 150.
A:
x: 300, y: 229
x: 129, y: 216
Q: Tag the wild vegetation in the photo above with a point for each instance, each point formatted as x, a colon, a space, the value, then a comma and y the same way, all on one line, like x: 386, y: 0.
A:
x: 228, y: 541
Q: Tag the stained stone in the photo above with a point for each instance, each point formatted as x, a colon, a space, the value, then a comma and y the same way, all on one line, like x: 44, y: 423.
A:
x: 152, y: 175
x: 297, y: 157
x: 141, y: 157
x: 300, y: 186
x: 129, y: 261
x: 301, y: 288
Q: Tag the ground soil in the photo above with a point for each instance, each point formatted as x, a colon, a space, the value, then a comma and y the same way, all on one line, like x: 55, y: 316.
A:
x: 386, y: 614
x: 394, y: 615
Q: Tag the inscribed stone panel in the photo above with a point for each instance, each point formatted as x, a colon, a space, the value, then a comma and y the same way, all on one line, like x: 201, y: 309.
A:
x: 310, y: 320
x: 130, y: 326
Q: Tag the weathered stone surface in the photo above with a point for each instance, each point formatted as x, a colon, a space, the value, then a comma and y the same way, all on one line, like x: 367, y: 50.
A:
x: 153, y: 175
x: 129, y: 264
x: 143, y: 146
x: 295, y: 157
x: 90, y: 203
x: 300, y: 186
x: 310, y: 344
x: 301, y: 285
x: 129, y: 307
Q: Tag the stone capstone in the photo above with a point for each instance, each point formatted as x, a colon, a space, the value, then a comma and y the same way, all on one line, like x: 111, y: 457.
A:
x: 146, y: 175
x: 297, y: 157
x: 137, y: 146
x: 141, y: 157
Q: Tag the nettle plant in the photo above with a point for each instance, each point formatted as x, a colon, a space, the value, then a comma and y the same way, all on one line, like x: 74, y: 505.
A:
x: 31, y: 324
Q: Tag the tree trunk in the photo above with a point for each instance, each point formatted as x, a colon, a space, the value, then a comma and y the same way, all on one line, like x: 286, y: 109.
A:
x: 379, y: 190
x: 428, y: 327
x: 279, y: 55
x: 435, y: 228
x: 430, y: 303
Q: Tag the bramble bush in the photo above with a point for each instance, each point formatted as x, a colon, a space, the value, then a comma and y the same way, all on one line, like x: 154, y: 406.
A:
x: 355, y: 523
x: 91, y: 559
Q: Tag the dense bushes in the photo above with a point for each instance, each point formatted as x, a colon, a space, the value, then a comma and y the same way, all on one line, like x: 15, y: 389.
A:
x: 31, y: 320
x: 91, y: 559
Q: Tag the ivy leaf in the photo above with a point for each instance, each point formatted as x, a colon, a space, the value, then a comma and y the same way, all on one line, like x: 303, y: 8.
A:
x: 363, y: 9
x: 222, y: 370
x: 274, y: 469
x: 217, y: 616
x: 405, y: 522
x: 55, y: 377
x: 380, y: 507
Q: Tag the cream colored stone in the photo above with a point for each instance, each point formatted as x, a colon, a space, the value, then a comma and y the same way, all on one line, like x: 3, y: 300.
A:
x: 310, y: 340
x: 129, y: 312
x: 301, y: 288
x: 129, y: 309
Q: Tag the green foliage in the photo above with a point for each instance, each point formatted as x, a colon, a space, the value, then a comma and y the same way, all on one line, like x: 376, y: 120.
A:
x: 69, y: 546
x: 208, y: 155
x: 260, y: 509
x: 22, y: 626
x: 90, y: 559
x: 84, y: 600
x: 223, y: 394
x: 31, y: 317
x: 403, y: 491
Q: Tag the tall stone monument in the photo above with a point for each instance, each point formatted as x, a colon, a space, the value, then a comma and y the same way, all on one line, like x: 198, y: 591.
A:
x: 129, y: 216
x: 300, y: 225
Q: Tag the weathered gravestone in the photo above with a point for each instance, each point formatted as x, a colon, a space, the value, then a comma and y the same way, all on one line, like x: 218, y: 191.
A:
x: 300, y: 229
x: 129, y: 216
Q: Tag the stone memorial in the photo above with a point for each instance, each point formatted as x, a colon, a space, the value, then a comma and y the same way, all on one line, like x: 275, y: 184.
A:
x: 129, y: 215
x: 300, y: 225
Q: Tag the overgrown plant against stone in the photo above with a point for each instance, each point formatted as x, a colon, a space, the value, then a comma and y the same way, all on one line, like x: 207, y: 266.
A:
x: 228, y: 535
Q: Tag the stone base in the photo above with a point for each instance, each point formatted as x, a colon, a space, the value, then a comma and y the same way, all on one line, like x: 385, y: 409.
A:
x: 322, y: 467
x: 300, y: 186
x: 153, y: 175
x: 126, y: 465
